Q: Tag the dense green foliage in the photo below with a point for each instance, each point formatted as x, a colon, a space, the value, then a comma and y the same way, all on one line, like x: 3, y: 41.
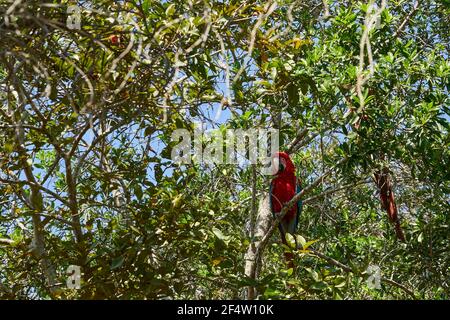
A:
x: 86, y: 117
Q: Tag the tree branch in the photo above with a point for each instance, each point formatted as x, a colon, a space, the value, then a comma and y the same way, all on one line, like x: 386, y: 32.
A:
x: 350, y: 270
x: 406, y: 20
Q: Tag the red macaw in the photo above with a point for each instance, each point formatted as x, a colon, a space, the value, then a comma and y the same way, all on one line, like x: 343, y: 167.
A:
x: 282, y: 189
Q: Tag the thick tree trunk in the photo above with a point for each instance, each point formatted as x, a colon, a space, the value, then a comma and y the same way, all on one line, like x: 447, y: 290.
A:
x: 254, y: 256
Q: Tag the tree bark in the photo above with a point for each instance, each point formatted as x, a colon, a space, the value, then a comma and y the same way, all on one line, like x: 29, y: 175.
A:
x: 254, y: 256
x: 37, y: 206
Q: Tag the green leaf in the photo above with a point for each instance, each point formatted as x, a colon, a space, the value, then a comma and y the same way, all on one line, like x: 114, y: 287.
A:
x: 221, y: 236
x: 117, y: 262
x: 301, y: 241
x: 146, y: 6
x: 420, y: 238
x: 170, y: 10
x: 319, y: 285
x: 271, y: 292
x: 293, y: 96
x: 290, y: 240
x: 290, y: 271
x: 340, y: 282
x: 307, y: 244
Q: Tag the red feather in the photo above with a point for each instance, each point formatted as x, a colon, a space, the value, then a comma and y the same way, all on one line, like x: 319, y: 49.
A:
x: 284, y: 188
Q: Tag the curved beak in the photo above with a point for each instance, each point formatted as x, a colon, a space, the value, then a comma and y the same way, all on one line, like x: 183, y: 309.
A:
x: 277, y: 166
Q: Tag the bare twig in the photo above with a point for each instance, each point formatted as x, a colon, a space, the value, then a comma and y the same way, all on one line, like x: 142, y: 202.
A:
x: 406, y: 20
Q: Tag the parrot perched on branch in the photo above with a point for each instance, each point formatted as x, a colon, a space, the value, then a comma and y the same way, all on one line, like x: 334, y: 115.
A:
x: 384, y: 185
x: 283, y: 188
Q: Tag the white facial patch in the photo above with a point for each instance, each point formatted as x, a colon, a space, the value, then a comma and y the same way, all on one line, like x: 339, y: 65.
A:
x: 275, y: 164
